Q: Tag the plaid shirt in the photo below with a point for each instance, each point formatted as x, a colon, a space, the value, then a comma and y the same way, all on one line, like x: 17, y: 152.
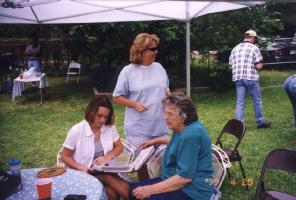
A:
x: 242, y: 61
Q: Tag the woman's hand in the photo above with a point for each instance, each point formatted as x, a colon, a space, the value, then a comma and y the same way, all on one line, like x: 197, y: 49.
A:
x: 146, y: 144
x: 83, y: 169
x: 142, y: 192
x: 102, y: 160
x: 139, y: 107
x: 157, y: 140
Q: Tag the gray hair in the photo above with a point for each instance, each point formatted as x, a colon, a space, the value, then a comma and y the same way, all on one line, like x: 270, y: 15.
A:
x: 184, y: 106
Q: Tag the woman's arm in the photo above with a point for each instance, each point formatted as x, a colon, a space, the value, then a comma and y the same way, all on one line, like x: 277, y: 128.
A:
x: 168, y: 92
x: 67, y: 157
x: 157, y: 140
x: 171, y: 184
x: 117, y: 149
x: 121, y: 100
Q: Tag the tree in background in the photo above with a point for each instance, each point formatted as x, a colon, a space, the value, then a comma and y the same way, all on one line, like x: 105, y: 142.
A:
x: 103, y: 48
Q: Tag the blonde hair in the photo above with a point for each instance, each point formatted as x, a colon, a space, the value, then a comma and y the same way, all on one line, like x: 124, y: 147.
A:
x: 140, y: 44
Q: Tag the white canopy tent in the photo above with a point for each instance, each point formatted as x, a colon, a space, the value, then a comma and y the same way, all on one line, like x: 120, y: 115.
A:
x: 97, y: 11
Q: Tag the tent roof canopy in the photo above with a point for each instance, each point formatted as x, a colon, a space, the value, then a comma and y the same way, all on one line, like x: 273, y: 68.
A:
x: 93, y: 11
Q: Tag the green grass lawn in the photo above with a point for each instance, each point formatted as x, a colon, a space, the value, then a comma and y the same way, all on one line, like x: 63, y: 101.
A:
x: 34, y: 133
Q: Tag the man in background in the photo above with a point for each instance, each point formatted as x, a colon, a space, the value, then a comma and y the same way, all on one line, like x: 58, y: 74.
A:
x: 245, y: 61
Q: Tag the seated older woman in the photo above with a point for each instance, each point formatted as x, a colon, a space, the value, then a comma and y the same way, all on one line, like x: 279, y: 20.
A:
x: 187, y: 164
x: 96, y: 140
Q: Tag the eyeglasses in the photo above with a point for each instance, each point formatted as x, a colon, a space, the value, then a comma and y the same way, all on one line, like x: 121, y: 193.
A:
x: 152, y: 49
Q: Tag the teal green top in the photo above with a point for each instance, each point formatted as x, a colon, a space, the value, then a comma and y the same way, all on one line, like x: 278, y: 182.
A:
x: 189, y: 154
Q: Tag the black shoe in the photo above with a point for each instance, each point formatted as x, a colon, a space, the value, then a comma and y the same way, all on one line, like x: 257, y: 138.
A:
x: 266, y: 124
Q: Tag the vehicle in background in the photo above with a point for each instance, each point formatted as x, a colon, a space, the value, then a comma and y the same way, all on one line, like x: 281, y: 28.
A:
x: 280, y: 51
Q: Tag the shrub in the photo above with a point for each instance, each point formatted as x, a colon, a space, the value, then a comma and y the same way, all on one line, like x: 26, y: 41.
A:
x: 208, y: 71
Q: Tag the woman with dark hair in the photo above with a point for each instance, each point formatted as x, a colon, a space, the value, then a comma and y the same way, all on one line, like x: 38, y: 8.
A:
x: 96, y: 140
x: 140, y: 87
x: 187, y: 164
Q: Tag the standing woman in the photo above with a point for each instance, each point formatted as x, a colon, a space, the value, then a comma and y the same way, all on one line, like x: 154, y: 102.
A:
x: 140, y: 87
x: 96, y: 140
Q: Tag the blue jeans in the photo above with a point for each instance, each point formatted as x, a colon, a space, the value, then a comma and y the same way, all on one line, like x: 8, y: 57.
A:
x: 36, y: 64
x: 290, y: 88
x: 252, y: 87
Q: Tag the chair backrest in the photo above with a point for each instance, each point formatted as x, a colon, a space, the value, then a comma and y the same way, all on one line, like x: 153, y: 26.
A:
x: 281, y: 159
x: 60, y: 162
x: 154, y: 162
x: 234, y: 127
x: 74, y: 65
x: 128, y: 154
x: 220, y: 163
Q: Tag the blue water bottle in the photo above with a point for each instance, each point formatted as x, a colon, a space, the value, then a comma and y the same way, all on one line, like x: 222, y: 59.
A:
x: 15, y: 169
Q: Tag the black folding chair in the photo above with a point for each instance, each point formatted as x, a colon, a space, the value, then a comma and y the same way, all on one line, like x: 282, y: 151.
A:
x: 279, y: 159
x: 237, y: 129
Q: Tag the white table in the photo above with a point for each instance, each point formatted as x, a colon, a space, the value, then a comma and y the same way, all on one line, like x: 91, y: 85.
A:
x: 19, y: 84
x: 71, y: 182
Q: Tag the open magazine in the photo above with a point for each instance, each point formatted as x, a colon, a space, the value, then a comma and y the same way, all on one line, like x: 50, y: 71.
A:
x: 116, y: 165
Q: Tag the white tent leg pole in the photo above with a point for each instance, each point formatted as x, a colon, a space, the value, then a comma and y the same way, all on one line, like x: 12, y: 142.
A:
x: 187, y: 49
x: 188, y: 58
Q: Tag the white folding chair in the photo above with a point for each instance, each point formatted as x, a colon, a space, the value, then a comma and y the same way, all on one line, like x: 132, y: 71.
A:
x: 60, y: 162
x: 220, y: 163
x: 128, y: 154
x: 154, y: 163
x: 73, y: 71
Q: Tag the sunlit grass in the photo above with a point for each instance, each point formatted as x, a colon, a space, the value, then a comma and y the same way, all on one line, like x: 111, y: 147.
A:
x: 34, y: 132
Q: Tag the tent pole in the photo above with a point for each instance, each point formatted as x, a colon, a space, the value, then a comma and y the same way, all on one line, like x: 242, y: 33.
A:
x: 187, y: 51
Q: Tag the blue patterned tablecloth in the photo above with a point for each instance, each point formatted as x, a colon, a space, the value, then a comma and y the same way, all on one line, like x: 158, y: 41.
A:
x: 71, y: 182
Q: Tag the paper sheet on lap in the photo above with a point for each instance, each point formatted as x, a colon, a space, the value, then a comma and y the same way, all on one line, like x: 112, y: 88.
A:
x: 116, y: 166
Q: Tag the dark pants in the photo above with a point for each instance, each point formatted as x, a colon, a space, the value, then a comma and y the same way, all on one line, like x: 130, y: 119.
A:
x: 176, y: 195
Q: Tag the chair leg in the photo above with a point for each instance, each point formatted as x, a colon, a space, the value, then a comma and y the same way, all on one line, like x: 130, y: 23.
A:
x: 228, y: 173
x: 243, y: 174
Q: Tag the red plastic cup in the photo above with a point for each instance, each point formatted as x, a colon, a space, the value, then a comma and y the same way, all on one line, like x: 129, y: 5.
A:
x: 43, y: 186
x: 21, y: 76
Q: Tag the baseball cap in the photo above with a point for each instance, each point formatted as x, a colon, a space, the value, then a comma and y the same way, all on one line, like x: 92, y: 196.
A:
x: 251, y: 33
